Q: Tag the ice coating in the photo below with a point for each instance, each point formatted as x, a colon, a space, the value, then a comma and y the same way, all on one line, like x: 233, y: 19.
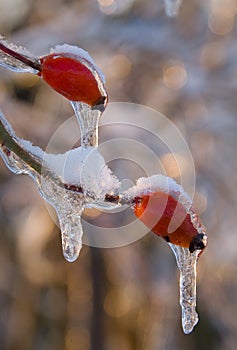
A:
x: 187, y: 262
x: 71, y: 232
x: 88, y: 120
x: 19, y: 59
x: 186, y: 257
x: 80, y: 178
x: 12, y: 63
x: 69, y: 207
x: 81, y: 164
x: 78, y: 52
x: 172, y: 7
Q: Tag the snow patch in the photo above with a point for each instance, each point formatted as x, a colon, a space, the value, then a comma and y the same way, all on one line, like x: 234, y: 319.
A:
x: 155, y: 183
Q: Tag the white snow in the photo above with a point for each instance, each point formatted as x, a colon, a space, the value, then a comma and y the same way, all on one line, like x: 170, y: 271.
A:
x: 35, y: 150
x: 85, y: 167
x: 78, y: 52
x: 80, y: 166
x: 154, y: 183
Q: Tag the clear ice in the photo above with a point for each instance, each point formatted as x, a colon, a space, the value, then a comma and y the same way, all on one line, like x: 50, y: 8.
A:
x: 172, y: 7
x: 80, y: 178
x: 70, y: 203
x: 187, y: 263
x: 59, y: 184
x: 13, y: 63
x: 88, y: 120
x: 89, y: 170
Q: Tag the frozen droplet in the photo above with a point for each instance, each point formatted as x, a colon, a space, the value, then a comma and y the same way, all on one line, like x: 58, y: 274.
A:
x: 172, y: 7
x: 20, y: 60
x: 71, y: 232
x: 187, y: 262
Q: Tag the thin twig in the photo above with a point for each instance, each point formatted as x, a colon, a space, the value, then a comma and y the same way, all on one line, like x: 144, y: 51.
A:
x: 35, y: 64
x: 7, y: 141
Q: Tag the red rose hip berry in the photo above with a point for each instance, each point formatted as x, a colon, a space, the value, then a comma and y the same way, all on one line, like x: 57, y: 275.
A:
x: 71, y: 78
x: 156, y: 211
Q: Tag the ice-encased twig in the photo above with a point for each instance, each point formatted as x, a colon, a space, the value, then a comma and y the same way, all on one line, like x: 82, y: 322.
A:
x: 17, y: 58
x: 84, y: 167
x: 187, y: 262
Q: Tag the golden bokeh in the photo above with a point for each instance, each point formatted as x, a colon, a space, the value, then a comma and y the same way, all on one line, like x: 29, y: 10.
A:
x: 174, y: 75
x: 221, y: 22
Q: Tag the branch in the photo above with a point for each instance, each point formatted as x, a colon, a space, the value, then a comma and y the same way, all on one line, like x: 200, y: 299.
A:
x: 9, y: 143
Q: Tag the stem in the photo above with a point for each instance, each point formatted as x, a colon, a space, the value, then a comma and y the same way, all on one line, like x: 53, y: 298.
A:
x: 7, y: 141
x: 33, y: 64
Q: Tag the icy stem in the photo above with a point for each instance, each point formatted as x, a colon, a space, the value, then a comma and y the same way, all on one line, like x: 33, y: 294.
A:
x: 13, y: 63
x: 172, y: 7
x: 70, y: 182
x: 88, y: 120
x: 187, y: 262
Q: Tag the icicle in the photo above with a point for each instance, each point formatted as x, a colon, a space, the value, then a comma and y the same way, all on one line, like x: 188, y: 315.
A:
x: 62, y: 177
x: 71, y: 232
x: 172, y: 7
x: 88, y: 120
x: 187, y: 262
x: 69, y: 207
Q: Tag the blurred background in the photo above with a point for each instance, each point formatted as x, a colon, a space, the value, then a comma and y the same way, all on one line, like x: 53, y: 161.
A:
x: 124, y: 298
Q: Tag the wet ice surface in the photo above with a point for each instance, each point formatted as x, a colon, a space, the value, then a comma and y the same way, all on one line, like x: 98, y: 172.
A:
x: 88, y: 120
x: 77, y: 168
x: 83, y: 166
x: 80, y: 178
x: 172, y: 7
x: 69, y: 207
x: 186, y: 263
